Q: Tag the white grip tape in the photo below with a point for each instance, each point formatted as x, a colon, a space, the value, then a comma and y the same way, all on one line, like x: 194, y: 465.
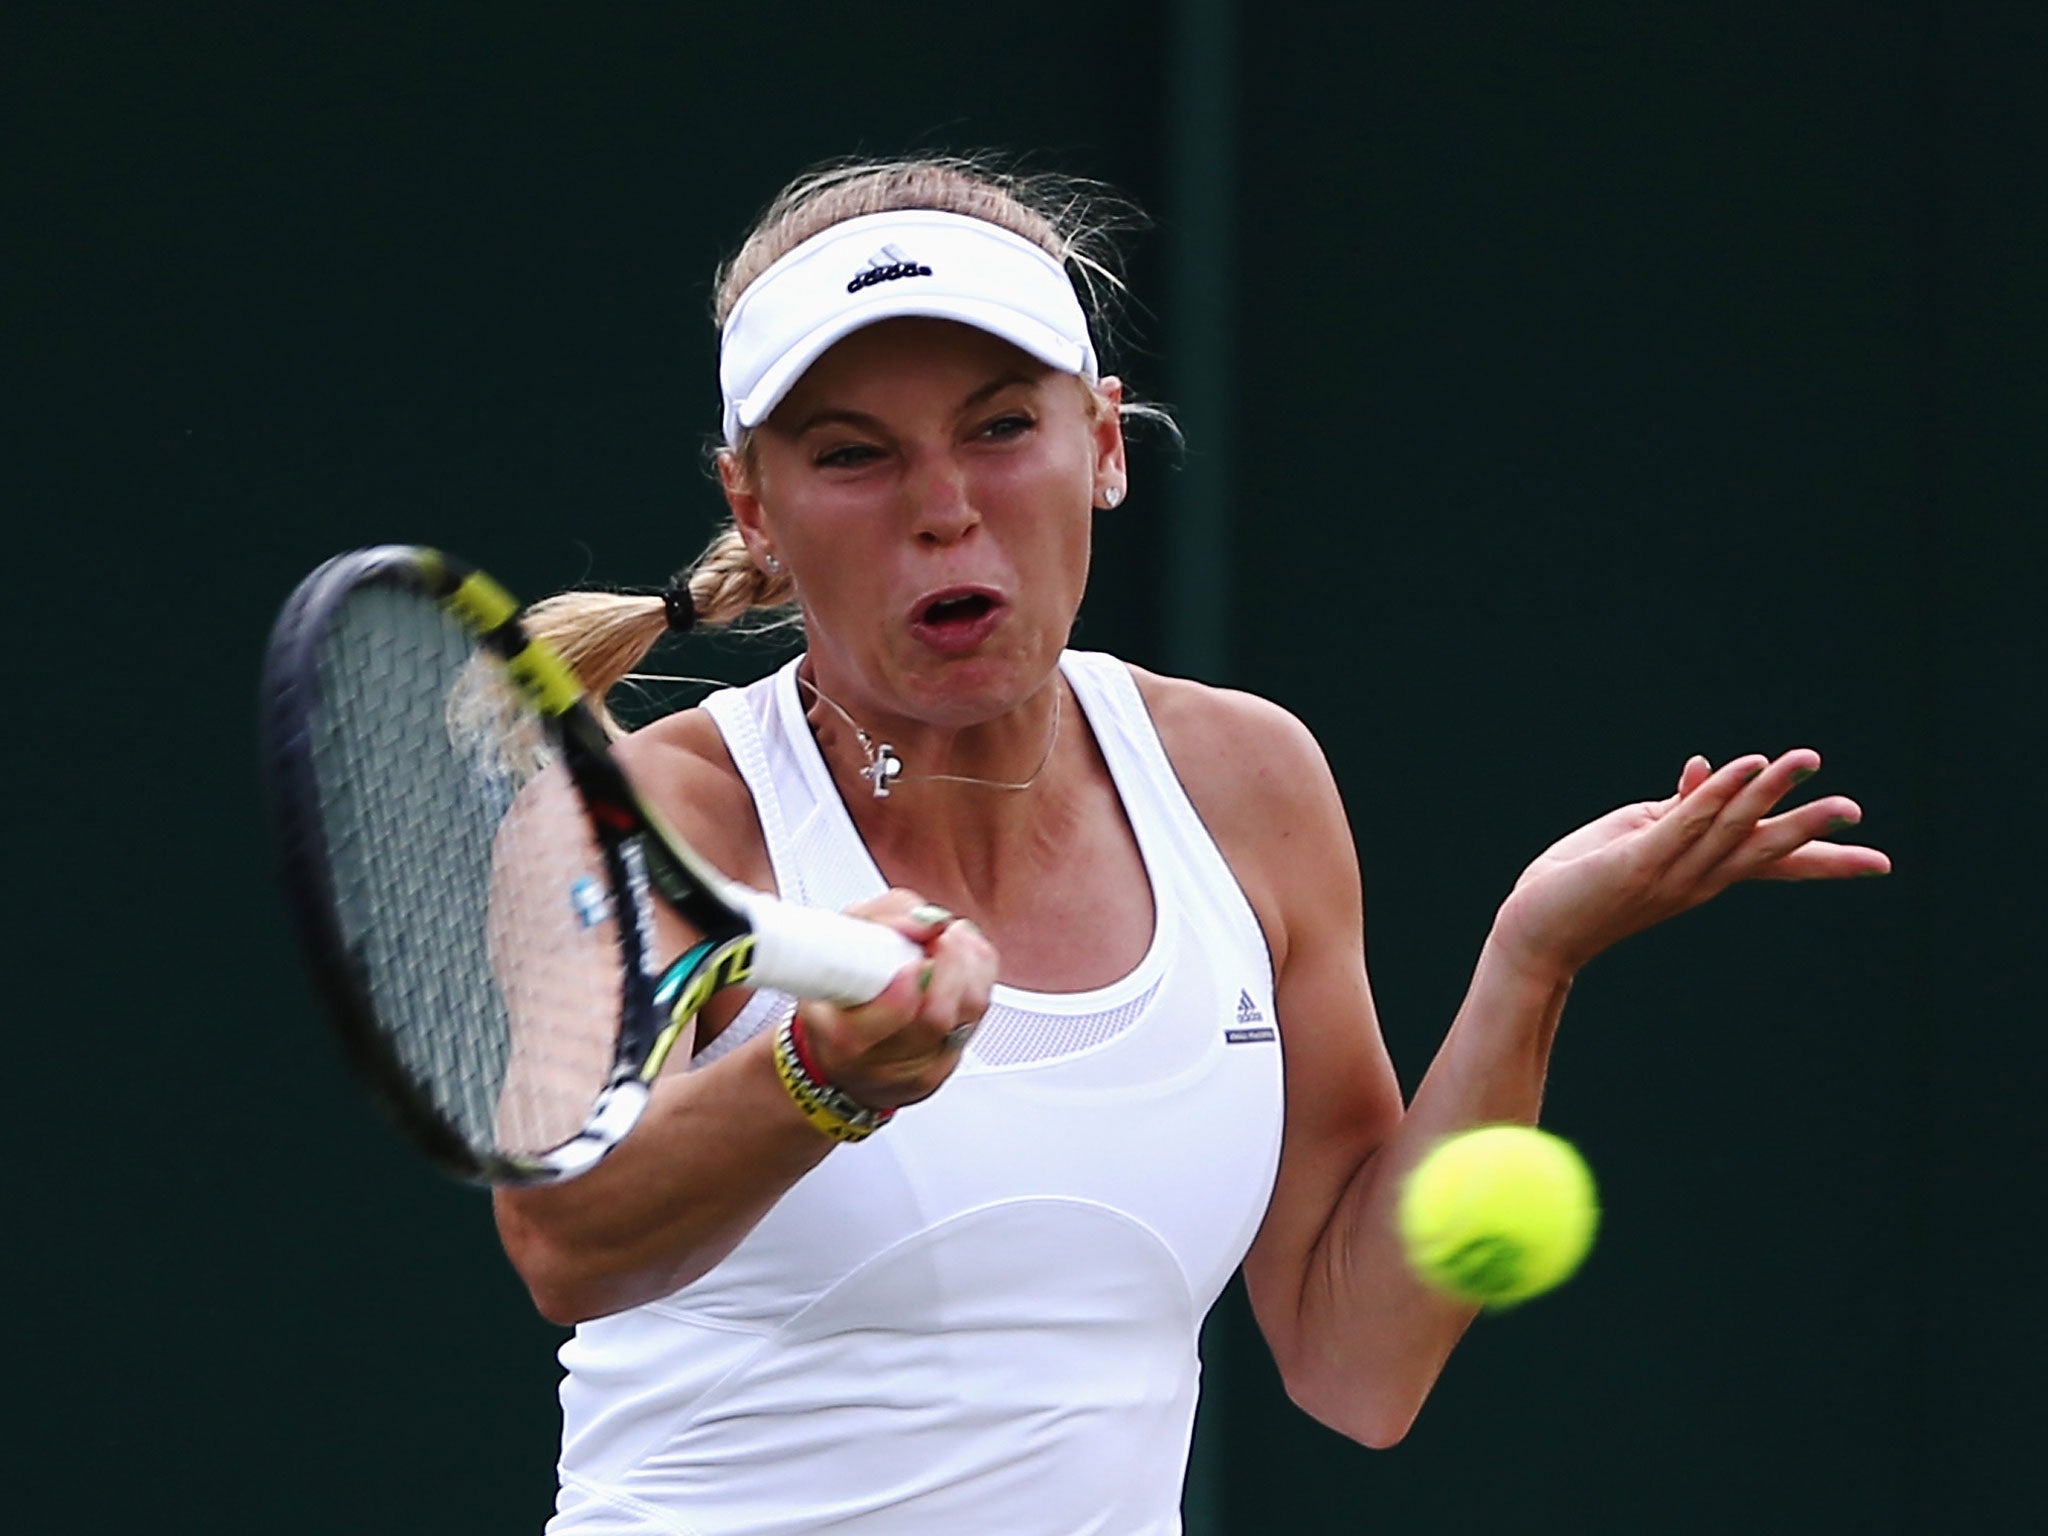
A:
x: 808, y: 952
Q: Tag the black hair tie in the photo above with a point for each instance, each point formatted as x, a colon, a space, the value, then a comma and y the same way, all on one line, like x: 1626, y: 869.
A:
x: 678, y: 605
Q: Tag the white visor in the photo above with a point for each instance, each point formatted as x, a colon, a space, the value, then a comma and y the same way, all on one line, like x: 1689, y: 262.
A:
x: 915, y: 261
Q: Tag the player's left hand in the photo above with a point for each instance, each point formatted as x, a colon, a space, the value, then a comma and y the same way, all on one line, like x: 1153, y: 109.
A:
x: 1645, y: 862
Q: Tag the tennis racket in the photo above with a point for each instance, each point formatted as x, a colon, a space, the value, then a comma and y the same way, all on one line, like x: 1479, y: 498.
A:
x: 474, y: 878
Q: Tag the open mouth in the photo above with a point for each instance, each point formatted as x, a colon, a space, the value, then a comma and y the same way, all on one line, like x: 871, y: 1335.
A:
x: 957, y: 622
x: 956, y: 608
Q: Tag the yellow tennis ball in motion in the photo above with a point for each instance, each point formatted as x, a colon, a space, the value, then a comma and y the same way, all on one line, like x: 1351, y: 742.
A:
x: 1498, y: 1214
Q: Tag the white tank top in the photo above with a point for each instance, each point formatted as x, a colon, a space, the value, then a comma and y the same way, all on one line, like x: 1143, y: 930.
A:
x: 984, y: 1317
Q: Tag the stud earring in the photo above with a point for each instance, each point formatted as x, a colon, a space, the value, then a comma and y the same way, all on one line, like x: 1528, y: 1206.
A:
x: 774, y: 565
x: 1111, y: 495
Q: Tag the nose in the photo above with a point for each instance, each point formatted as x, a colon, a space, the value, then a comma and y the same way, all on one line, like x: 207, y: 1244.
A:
x: 941, y: 504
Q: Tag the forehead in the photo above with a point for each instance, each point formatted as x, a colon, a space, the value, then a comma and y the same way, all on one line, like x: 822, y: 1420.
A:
x: 912, y: 355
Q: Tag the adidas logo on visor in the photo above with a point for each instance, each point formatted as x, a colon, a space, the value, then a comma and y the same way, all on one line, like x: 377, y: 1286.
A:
x: 885, y: 266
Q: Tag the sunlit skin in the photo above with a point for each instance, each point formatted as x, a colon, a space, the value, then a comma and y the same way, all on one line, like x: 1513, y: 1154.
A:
x: 918, y: 457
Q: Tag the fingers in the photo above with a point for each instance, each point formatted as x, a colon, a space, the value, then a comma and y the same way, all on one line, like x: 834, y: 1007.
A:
x: 958, y: 982
x: 1724, y: 831
x: 956, y: 978
x: 1792, y: 846
x: 901, y: 1046
x: 905, y: 911
x: 1827, y: 861
x: 1648, y: 861
x: 1721, y: 812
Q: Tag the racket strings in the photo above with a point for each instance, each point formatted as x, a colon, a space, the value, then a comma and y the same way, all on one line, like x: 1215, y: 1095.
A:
x: 471, y: 893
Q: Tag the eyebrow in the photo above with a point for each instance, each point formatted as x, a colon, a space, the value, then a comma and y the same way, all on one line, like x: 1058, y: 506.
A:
x: 832, y: 416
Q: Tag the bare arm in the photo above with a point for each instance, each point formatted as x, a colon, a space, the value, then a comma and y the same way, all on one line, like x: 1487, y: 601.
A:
x: 1358, y: 1341
x: 718, y: 1146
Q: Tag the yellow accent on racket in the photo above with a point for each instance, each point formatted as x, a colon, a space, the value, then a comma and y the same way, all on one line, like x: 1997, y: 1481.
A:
x: 547, y: 679
x: 482, y: 603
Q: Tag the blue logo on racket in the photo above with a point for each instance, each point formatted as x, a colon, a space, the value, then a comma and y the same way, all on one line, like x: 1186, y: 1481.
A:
x: 590, y: 902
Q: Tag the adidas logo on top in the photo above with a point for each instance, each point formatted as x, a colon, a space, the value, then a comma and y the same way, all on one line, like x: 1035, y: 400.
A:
x: 886, y: 266
x: 1252, y: 1028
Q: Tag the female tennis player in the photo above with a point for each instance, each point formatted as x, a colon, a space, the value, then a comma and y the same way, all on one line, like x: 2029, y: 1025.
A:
x: 938, y: 1264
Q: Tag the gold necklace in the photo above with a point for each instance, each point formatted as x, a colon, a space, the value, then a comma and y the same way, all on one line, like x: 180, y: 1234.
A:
x: 884, y: 767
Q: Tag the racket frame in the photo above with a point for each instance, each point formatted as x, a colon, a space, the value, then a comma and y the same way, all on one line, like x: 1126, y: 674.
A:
x: 640, y: 855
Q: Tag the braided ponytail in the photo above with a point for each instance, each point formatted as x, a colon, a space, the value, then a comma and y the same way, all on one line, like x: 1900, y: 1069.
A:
x: 605, y: 636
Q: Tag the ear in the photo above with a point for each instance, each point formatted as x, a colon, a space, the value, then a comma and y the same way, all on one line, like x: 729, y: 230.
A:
x: 1112, y: 469
x: 737, y: 481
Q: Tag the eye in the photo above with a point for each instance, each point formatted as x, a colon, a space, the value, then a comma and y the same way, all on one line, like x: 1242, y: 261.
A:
x: 847, y: 456
x: 1008, y: 425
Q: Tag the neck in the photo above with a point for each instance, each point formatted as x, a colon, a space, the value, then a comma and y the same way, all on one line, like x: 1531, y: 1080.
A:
x: 1005, y: 757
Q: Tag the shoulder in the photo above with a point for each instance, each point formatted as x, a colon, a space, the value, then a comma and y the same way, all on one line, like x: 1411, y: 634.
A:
x: 681, y: 765
x: 1232, y: 750
x: 1258, y: 779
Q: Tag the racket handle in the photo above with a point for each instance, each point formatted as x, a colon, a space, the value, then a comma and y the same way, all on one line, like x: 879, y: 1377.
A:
x: 809, y: 952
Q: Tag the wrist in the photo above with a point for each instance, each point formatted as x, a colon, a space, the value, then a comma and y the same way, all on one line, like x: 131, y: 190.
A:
x: 1524, y: 964
x: 829, y: 1110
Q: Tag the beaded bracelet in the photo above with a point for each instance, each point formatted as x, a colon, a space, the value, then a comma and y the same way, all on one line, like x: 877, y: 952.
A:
x: 834, y: 1113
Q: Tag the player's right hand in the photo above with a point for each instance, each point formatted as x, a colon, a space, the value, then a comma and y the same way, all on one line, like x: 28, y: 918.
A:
x: 899, y: 1048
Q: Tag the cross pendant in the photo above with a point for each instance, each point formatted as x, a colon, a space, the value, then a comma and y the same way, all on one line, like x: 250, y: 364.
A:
x: 882, y: 770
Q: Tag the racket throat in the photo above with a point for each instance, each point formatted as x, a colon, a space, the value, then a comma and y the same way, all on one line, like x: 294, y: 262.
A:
x: 699, y: 973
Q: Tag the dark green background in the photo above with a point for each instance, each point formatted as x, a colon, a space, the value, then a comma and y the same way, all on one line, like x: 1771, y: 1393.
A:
x: 1572, y: 388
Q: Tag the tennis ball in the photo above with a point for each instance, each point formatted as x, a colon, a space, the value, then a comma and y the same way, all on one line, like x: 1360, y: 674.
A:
x: 1498, y: 1214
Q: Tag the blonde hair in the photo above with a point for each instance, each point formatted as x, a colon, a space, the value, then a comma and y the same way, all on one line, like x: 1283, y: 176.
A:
x: 606, y: 635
